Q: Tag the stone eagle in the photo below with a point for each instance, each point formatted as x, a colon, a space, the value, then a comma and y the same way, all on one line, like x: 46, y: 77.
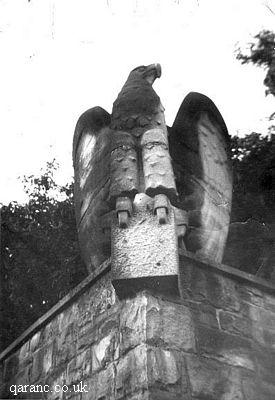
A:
x: 131, y: 151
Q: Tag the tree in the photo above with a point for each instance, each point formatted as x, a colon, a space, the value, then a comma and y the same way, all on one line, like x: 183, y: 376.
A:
x: 254, y: 167
x: 250, y: 245
x: 262, y: 53
x: 40, y: 255
x: 253, y: 158
x: 251, y: 241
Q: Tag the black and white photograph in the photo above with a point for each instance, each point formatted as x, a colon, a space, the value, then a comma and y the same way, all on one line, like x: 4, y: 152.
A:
x: 137, y: 199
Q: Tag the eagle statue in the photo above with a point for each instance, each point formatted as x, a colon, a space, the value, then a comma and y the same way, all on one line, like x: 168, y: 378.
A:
x: 131, y: 151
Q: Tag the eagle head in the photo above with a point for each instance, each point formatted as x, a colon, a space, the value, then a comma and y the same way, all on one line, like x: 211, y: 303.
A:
x: 149, y: 73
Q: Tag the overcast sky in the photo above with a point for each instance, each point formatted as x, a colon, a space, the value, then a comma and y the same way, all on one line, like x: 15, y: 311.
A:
x: 60, y: 57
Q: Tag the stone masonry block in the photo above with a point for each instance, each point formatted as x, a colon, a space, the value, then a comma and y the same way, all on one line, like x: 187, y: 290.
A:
x: 24, y: 352
x: 101, y: 385
x: 145, y: 254
x: 96, y: 301
x: 59, y: 377
x: 103, y: 352
x: 66, y: 344
x: 199, y: 284
x: 51, y: 330
x: 251, y: 295
x: 265, y: 361
x: 68, y: 316
x: 24, y: 376
x: 11, y: 366
x: 155, y: 346
x: 263, y: 317
x: 167, y: 377
x: 37, y: 366
x: 170, y: 325
x: 82, y: 368
x: 262, y: 324
x: 203, y: 313
x: 87, y: 335
x: 229, y: 349
x: 212, y: 380
x: 254, y: 388
x: 133, y: 323
x: 163, y: 367
x: 43, y: 361
x: 132, y: 373
x: 235, y: 323
x: 108, y: 324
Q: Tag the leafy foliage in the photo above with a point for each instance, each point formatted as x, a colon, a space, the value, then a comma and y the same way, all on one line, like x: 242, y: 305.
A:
x: 40, y: 255
x: 251, y: 240
x: 253, y: 155
x: 261, y: 50
x: 262, y: 53
x: 253, y: 158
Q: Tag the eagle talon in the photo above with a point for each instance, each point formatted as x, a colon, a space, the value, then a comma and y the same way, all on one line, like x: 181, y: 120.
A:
x: 161, y: 208
x: 162, y: 215
x: 124, y: 211
x: 123, y: 219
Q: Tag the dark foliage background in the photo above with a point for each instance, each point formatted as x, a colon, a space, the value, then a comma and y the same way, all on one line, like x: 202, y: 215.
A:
x: 40, y: 255
x: 253, y: 159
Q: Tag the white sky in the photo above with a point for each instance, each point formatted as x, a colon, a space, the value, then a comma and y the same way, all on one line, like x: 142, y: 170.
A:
x: 59, y: 58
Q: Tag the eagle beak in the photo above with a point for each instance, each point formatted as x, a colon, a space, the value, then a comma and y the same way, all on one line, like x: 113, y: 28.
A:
x: 158, y: 70
x: 153, y: 72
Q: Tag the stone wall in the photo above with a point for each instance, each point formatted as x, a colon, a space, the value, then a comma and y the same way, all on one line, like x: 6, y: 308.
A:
x: 216, y: 342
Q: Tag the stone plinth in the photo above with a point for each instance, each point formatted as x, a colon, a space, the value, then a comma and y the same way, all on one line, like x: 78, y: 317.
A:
x: 145, y: 254
x: 216, y: 342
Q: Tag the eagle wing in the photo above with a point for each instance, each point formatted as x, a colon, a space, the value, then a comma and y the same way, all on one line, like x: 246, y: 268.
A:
x: 199, y: 148
x: 91, y: 159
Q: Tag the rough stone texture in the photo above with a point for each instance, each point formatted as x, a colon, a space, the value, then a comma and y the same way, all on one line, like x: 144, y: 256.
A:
x: 216, y: 342
x: 199, y: 143
x: 91, y: 156
x: 157, y: 166
x: 144, y: 249
x: 249, y: 247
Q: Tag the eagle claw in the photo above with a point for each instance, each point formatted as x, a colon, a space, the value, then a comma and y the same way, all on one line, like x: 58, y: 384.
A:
x: 123, y: 219
x: 162, y: 215
x: 124, y: 211
x: 161, y: 208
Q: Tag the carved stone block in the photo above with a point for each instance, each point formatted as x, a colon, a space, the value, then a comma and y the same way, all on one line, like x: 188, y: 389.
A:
x: 145, y: 254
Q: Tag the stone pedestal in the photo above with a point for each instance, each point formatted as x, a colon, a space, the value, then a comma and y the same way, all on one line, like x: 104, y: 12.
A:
x: 216, y: 342
x: 145, y: 254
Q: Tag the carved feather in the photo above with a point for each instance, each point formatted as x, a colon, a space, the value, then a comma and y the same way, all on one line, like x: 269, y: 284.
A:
x: 199, y: 147
x: 91, y: 157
